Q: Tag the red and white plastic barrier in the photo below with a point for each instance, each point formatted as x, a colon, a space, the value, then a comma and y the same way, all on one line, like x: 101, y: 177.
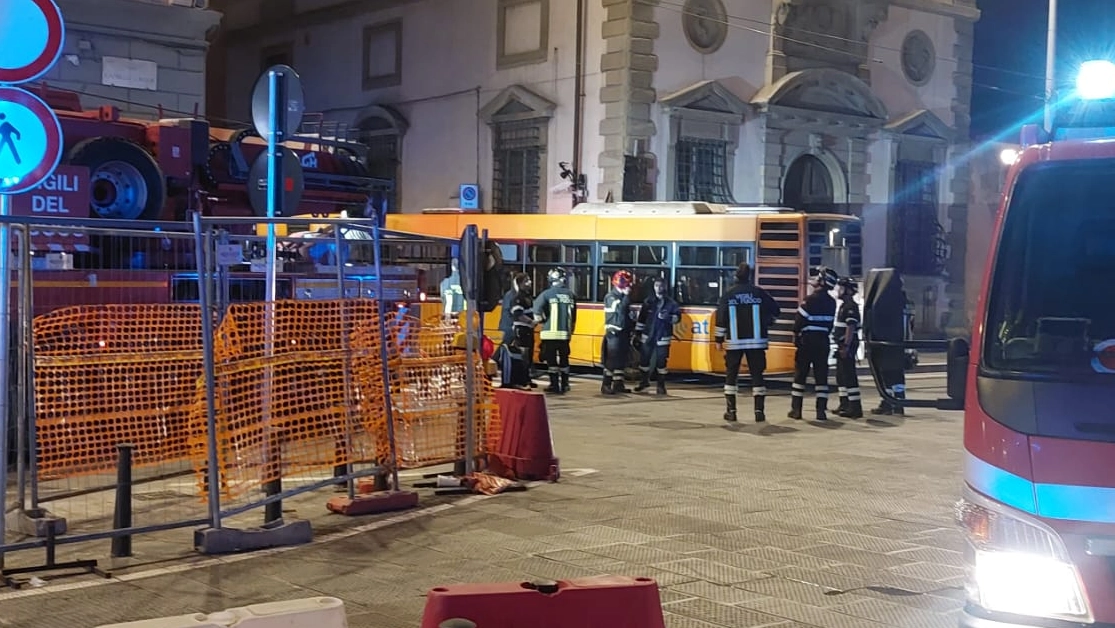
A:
x: 596, y: 602
x: 314, y: 612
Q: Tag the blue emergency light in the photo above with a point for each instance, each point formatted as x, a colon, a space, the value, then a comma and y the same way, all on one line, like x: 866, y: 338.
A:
x: 1087, y: 113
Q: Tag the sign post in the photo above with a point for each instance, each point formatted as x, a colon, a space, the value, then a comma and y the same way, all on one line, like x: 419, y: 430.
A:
x: 277, y: 106
x: 30, y: 148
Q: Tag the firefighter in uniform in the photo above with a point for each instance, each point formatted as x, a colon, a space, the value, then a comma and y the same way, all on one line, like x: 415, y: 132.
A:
x: 556, y: 310
x: 452, y: 294
x: 618, y: 323
x: 845, y: 335
x: 812, y: 328
x: 654, y: 330
x: 743, y: 320
x: 517, y: 320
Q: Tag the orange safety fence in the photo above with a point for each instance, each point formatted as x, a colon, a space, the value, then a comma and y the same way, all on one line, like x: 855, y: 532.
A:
x: 289, y: 411
x: 316, y: 399
x: 113, y: 374
x: 429, y: 370
x: 305, y: 422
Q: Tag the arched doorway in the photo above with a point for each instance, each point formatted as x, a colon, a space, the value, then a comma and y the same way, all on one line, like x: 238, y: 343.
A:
x: 381, y: 130
x: 808, y: 186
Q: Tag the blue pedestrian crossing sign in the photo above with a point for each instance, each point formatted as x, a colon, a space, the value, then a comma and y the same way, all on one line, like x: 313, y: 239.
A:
x: 30, y: 140
x: 470, y: 196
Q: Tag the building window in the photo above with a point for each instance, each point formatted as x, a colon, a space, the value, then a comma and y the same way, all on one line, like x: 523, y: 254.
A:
x: 282, y: 54
x: 383, y: 55
x: 916, y: 236
x: 517, y: 158
x: 520, y: 122
x: 522, y: 32
x: 704, y: 134
x: 701, y: 171
x: 381, y: 130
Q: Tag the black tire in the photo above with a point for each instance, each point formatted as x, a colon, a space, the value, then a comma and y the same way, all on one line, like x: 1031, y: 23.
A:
x: 125, y: 182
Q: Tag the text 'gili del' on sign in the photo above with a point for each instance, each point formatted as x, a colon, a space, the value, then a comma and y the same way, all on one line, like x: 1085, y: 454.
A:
x: 63, y: 194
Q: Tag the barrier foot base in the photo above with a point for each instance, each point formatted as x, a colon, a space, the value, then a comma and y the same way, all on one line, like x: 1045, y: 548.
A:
x: 35, y: 522
x: 373, y: 503
x: 231, y: 540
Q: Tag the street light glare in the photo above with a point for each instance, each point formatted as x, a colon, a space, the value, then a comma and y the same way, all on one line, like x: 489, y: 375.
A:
x: 1008, y: 156
x: 1096, y: 80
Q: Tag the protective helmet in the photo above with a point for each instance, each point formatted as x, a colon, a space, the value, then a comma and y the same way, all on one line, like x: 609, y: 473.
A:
x: 556, y: 276
x: 825, y: 276
x: 849, y: 285
x: 622, y: 279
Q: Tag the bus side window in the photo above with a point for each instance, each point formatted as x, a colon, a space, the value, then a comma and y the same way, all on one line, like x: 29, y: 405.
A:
x: 706, y: 272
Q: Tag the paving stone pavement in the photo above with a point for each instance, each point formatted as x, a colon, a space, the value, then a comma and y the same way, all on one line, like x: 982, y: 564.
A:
x: 788, y: 524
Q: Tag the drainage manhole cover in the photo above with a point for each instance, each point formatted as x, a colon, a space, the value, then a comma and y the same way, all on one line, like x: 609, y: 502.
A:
x: 671, y: 425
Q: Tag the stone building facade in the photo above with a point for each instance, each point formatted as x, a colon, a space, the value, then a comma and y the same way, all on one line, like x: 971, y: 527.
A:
x: 854, y: 106
x: 136, y: 55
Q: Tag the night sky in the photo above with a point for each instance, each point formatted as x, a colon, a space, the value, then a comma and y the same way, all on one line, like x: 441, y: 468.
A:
x: 1009, y: 56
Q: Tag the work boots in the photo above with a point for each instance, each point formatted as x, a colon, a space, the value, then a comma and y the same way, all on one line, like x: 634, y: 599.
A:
x: 554, y: 386
x: 730, y: 411
x: 760, y: 408
x: 644, y: 383
x: 617, y: 384
x: 843, y: 407
x: 661, y: 385
x: 795, y: 407
x: 822, y: 408
x: 854, y: 410
x: 564, y: 382
x: 606, y: 385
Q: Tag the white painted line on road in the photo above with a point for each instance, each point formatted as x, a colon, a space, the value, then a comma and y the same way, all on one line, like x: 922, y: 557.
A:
x: 403, y: 517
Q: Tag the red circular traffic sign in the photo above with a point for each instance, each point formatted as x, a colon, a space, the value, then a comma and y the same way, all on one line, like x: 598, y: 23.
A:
x: 32, y: 32
x: 30, y: 140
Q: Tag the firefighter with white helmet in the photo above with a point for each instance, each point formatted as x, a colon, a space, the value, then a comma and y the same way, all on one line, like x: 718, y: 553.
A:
x: 812, y: 328
x: 619, y: 321
x: 556, y: 310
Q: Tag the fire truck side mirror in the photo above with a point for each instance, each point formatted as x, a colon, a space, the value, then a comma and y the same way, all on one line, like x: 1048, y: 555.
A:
x: 957, y: 373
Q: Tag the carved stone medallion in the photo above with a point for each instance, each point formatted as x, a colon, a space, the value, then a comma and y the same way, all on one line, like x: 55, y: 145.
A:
x: 706, y: 24
x: 919, y: 58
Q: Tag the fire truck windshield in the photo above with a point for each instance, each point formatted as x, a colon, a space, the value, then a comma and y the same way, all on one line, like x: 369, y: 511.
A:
x: 1051, y: 305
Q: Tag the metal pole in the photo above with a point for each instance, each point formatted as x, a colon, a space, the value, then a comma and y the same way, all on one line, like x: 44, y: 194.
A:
x: 346, y: 365
x: 273, y: 510
x: 386, y: 368
x: 472, y: 276
x: 213, y: 473
x: 27, y: 294
x: 5, y: 336
x: 1050, y: 65
x: 22, y: 316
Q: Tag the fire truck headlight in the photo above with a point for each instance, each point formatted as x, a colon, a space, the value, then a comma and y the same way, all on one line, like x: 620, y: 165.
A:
x: 1018, y: 565
x: 1096, y: 80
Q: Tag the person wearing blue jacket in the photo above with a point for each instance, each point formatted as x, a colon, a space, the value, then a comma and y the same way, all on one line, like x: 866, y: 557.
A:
x: 654, y: 330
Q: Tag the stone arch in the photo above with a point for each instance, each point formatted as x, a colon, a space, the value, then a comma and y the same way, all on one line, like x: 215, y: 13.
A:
x: 815, y: 182
x: 823, y: 90
x: 380, y: 128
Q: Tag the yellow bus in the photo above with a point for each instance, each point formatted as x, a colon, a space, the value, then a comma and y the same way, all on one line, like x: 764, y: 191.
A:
x: 694, y: 246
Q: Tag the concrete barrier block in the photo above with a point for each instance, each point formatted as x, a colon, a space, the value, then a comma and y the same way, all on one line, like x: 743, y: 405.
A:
x: 314, y: 612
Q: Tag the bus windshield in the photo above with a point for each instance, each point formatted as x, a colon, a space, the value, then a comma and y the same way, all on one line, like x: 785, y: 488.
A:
x: 1051, y: 306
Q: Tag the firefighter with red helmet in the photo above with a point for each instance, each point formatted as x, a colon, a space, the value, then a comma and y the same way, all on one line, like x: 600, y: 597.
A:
x: 618, y: 324
x: 556, y: 310
x: 812, y: 328
x: 845, y: 335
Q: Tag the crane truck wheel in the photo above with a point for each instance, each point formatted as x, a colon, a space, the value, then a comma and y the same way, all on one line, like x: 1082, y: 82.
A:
x: 125, y: 182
